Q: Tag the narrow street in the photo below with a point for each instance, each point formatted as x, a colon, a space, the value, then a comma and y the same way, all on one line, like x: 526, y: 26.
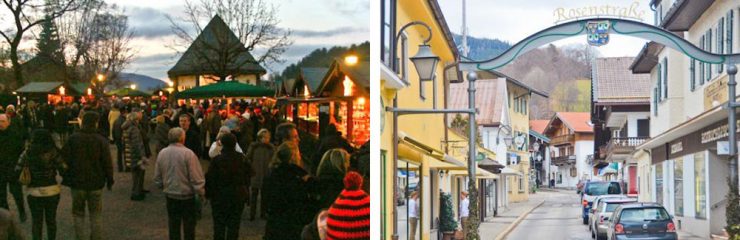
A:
x: 558, y: 218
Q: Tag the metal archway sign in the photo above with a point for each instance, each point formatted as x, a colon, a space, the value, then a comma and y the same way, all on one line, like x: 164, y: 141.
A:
x: 597, y: 31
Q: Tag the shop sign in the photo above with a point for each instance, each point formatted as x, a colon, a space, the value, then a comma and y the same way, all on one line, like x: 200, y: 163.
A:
x: 715, y: 93
x: 717, y: 133
x: 676, y: 147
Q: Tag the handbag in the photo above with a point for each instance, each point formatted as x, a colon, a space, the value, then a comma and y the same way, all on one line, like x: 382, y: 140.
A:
x: 25, y: 177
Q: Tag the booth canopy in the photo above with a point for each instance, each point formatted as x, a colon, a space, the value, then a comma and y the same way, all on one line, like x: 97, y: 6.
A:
x: 45, y: 88
x: 127, y: 92
x: 226, y: 89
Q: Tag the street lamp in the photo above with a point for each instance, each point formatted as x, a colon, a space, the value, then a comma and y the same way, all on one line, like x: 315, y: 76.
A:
x: 133, y: 86
x: 101, y: 77
x: 425, y: 62
x: 351, y: 60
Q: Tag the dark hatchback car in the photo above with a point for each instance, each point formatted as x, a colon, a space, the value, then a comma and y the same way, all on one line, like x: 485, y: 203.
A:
x: 641, y: 221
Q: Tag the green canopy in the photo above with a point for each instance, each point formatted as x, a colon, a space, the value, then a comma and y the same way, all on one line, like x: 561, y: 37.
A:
x: 127, y: 92
x: 226, y: 89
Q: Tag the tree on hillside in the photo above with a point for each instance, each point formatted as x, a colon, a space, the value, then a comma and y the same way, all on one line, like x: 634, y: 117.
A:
x: 572, y: 96
x: 26, y: 15
x: 255, y: 23
x: 323, y: 57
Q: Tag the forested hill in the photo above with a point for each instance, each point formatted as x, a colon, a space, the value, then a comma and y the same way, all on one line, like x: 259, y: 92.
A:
x: 483, y: 48
x: 323, y: 57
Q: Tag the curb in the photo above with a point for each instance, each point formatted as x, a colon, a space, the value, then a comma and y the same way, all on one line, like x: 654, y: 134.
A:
x: 516, y: 222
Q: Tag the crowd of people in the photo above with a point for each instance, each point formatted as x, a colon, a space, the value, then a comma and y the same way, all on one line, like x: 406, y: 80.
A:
x: 254, y: 161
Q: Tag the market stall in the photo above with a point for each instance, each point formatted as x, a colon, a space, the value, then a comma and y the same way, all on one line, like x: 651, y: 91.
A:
x: 49, y: 92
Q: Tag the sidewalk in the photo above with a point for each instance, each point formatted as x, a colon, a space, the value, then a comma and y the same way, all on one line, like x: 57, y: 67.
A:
x: 508, y: 216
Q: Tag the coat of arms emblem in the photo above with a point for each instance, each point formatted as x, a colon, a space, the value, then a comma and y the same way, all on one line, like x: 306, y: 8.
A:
x: 598, y: 32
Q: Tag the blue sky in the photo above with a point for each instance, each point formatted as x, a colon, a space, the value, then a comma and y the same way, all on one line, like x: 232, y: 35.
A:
x: 315, y: 24
x: 513, y: 21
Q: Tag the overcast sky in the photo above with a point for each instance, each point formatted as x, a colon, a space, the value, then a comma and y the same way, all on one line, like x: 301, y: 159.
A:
x: 513, y: 21
x: 315, y: 24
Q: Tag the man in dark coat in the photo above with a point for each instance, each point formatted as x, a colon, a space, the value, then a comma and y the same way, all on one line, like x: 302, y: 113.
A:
x: 331, y: 139
x: 118, y: 139
x: 87, y: 154
x: 192, y: 137
x: 13, y: 141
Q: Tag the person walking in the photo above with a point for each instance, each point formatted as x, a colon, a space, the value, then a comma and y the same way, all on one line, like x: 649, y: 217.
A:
x: 227, y: 182
x: 192, y: 137
x: 9, y: 228
x: 87, y: 155
x: 113, y: 115
x: 160, y: 133
x: 13, y: 140
x: 286, y: 191
x: 330, y: 176
x: 331, y: 139
x: 179, y: 175
x: 464, y: 211
x: 287, y: 133
x: 43, y: 161
x: 134, y: 149
x: 216, y: 146
x: 413, y: 208
x: 258, y: 156
x: 349, y: 216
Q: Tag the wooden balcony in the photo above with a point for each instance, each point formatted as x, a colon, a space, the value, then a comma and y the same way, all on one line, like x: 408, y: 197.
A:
x: 563, y: 139
x: 618, y: 149
x: 563, y: 160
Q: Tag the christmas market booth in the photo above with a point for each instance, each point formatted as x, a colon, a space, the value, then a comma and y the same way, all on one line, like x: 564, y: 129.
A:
x: 340, y: 98
x: 128, y: 92
x: 52, y: 92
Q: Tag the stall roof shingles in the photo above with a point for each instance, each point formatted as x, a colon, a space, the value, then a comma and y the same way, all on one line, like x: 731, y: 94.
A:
x: 615, y: 83
x: 39, y: 87
x: 312, y: 76
x: 489, y: 99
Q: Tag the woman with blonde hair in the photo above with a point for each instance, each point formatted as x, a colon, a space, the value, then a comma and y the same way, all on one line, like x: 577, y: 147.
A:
x: 330, y: 175
x: 216, y: 146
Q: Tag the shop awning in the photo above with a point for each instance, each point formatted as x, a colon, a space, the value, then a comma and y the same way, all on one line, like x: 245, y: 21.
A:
x: 226, y: 89
x: 510, y: 171
x: 480, y: 173
x: 705, y: 119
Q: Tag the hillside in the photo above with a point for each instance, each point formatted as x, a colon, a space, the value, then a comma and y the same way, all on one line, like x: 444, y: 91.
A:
x: 143, y: 82
x: 323, y: 57
x: 482, y: 48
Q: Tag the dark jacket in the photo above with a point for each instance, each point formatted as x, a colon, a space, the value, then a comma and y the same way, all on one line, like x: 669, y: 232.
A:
x: 287, y: 194
x: 13, y: 142
x: 331, y: 141
x: 117, y: 131
x: 227, y: 178
x: 160, y: 135
x: 43, y: 167
x: 87, y: 154
x: 133, y: 142
x: 192, y: 142
x: 259, y: 156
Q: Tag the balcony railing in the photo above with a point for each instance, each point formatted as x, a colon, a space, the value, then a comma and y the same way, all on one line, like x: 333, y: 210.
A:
x: 563, y: 139
x: 623, y: 145
x: 562, y: 160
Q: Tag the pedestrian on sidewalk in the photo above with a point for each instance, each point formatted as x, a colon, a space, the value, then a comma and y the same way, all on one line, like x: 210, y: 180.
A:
x: 87, y: 154
x: 227, y: 182
x: 43, y: 161
x: 179, y: 175
x: 464, y: 211
x: 258, y: 156
x: 118, y: 140
x: 286, y: 190
x: 13, y: 139
x: 134, y: 142
x: 413, y: 208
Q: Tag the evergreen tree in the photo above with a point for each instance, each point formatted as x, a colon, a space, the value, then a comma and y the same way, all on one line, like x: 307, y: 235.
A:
x: 49, y: 45
x: 447, y: 221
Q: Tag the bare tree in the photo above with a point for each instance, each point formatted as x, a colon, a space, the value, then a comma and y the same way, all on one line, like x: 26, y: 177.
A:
x: 25, y: 15
x: 255, y: 23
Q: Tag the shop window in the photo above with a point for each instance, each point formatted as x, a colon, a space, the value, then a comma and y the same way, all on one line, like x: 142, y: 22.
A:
x: 521, y: 184
x: 678, y: 186
x: 659, y: 183
x: 700, y: 186
x: 573, y: 172
x: 387, y: 30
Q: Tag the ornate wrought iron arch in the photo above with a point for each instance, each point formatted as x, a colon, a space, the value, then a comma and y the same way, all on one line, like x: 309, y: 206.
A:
x: 617, y: 26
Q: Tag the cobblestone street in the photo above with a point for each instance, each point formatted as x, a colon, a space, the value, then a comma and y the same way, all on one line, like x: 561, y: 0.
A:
x: 124, y: 219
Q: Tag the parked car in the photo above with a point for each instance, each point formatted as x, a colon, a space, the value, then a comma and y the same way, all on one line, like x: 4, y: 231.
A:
x: 596, y: 202
x: 593, y: 189
x: 641, y: 221
x: 603, y: 211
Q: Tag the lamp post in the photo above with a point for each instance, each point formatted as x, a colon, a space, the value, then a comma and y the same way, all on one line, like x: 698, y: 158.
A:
x: 732, y: 124
x: 425, y: 63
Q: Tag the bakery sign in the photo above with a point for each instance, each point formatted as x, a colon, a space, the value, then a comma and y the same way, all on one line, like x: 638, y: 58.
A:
x: 717, y: 133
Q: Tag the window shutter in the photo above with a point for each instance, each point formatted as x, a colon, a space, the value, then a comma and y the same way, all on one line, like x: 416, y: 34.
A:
x: 709, y: 49
x: 665, y: 77
x: 720, y: 41
x: 692, y: 72
x: 660, y: 82
x: 702, y: 64
x: 655, y: 101
x: 730, y: 23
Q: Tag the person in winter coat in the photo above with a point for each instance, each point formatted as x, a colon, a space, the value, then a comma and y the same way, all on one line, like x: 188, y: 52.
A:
x: 216, y: 146
x: 113, y: 115
x: 330, y: 176
x: 87, y: 154
x: 192, y: 137
x: 13, y: 141
x: 9, y: 228
x: 331, y: 139
x: 258, y: 156
x: 160, y: 133
x: 134, y: 142
x: 360, y: 163
x: 212, y: 124
x: 227, y: 181
x: 44, y: 163
x: 246, y: 132
x: 286, y: 191
x: 349, y: 216
x: 118, y: 140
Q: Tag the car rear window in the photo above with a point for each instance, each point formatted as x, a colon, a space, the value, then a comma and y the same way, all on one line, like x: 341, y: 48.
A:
x: 643, y: 214
x: 611, y: 206
x: 602, y: 188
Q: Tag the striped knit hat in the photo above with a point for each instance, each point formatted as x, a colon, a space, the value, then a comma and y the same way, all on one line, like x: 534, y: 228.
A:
x: 349, y: 216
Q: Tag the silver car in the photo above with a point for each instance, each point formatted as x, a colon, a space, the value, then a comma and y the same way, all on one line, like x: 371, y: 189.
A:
x: 596, y: 202
x: 603, y: 213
